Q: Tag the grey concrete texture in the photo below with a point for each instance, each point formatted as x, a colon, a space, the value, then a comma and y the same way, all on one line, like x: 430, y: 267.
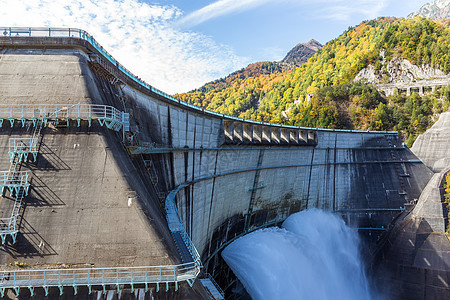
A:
x: 89, y: 205
x: 84, y: 177
x: 433, y: 147
x: 415, y: 259
x: 429, y: 205
x: 339, y: 173
x: 416, y: 262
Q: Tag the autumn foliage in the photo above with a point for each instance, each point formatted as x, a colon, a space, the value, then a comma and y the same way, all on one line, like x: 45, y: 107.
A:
x: 271, y: 94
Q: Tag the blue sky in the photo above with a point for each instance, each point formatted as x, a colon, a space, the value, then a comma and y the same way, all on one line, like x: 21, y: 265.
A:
x: 178, y: 45
x: 267, y: 30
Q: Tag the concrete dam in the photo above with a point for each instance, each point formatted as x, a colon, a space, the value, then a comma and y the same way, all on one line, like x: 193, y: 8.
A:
x: 113, y: 187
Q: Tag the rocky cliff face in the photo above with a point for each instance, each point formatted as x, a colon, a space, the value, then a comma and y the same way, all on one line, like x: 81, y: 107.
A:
x: 399, y: 71
x: 437, y: 10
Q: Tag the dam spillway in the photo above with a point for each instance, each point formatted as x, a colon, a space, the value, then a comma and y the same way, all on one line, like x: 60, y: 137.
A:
x: 99, y: 198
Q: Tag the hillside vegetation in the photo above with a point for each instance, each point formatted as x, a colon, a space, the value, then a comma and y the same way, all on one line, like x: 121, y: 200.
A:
x: 281, y: 96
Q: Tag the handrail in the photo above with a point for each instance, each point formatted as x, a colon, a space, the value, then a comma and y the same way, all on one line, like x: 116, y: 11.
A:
x: 187, y: 271
x: 55, y: 111
x: 8, y: 178
x: 96, y: 276
x: 120, y: 275
x: 81, y: 34
x: 115, y: 119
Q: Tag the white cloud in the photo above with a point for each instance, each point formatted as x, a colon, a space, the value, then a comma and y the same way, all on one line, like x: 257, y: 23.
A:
x: 218, y: 8
x: 338, y: 10
x: 138, y: 35
x: 344, y: 10
x: 146, y: 39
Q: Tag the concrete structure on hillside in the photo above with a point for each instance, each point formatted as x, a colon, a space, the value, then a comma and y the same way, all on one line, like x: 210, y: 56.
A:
x: 146, y: 201
x: 413, y: 260
x: 420, y: 86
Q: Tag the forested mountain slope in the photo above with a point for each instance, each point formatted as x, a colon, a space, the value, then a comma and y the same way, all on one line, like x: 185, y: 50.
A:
x: 337, y: 101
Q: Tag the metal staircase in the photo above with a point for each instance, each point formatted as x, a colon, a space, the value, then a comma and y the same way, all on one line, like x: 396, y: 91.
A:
x: 17, y: 183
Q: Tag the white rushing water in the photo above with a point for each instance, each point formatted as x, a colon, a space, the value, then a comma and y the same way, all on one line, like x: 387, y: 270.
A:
x: 314, y: 256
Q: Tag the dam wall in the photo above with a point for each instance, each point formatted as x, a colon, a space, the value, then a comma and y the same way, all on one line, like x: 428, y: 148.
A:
x: 98, y: 197
x: 413, y: 260
x: 235, y: 185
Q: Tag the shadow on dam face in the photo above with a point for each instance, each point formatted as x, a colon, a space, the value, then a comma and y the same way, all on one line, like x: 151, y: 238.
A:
x: 78, y: 209
x: 376, y: 195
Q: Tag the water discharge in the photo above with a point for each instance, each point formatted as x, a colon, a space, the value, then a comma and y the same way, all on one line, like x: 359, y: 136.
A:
x: 314, y: 256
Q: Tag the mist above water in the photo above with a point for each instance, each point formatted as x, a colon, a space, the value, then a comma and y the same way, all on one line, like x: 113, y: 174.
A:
x: 314, y: 256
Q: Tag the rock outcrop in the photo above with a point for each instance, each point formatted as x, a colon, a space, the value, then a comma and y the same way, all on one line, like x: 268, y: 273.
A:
x: 437, y: 10
x: 399, y: 70
x: 301, y: 53
x: 401, y: 74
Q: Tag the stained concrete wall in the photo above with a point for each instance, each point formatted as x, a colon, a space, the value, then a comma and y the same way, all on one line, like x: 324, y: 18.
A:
x: 247, y: 186
x: 344, y: 172
x: 237, y: 187
x: 83, y: 181
x: 413, y: 259
x: 433, y: 147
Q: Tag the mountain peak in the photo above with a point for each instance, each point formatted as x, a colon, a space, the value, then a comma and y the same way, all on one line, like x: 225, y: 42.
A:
x: 437, y: 10
x: 301, y: 53
x: 313, y: 44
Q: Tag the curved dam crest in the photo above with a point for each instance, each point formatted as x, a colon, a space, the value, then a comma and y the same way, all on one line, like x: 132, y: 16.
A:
x: 97, y: 196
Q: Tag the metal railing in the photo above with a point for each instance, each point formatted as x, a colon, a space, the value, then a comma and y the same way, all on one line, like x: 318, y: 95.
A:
x: 81, y: 34
x: 18, y: 149
x: 14, y: 181
x: 17, y: 181
x: 105, y: 114
x: 176, y: 224
x: 95, y: 277
x: 210, y: 279
x: 22, y: 147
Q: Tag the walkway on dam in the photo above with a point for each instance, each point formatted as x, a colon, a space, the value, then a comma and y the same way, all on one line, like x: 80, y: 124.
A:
x: 324, y: 161
x: 17, y: 183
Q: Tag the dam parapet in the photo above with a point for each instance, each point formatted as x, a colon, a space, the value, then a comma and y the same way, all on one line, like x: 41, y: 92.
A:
x: 171, y: 184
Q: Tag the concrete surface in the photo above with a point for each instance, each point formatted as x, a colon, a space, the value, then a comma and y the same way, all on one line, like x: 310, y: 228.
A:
x: 414, y: 258
x: 89, y: 205
x: 84, y: 178
x: 433, y: 147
